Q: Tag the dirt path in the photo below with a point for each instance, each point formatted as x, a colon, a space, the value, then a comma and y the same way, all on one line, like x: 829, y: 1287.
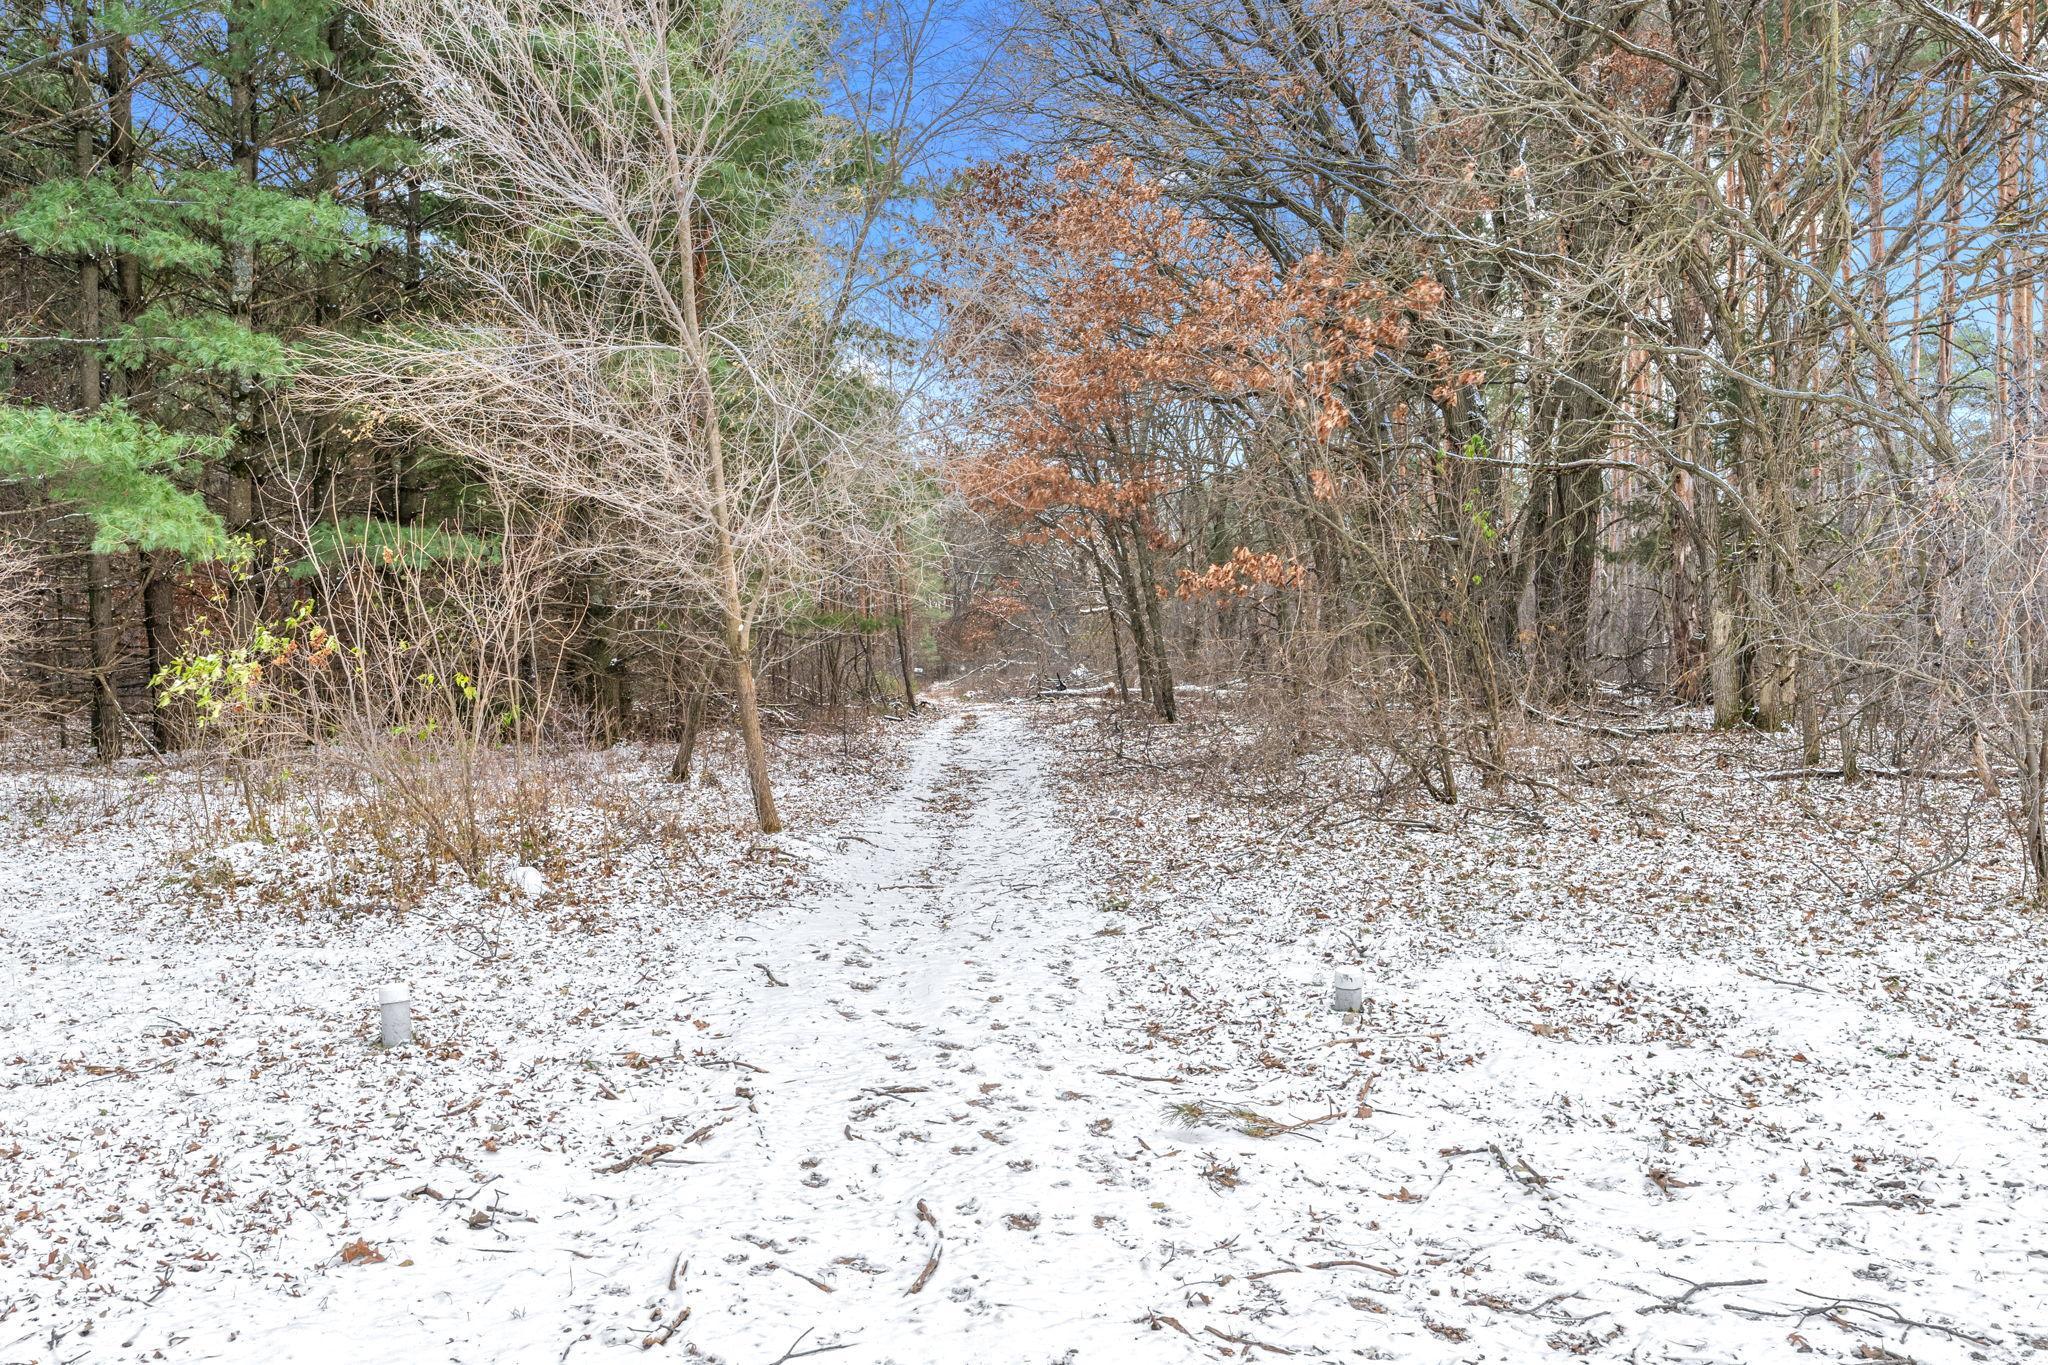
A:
x: 931, y: 1088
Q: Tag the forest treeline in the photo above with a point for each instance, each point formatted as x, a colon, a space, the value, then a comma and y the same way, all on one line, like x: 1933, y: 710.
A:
x: 1457, y: 363
x: 1429, y: 364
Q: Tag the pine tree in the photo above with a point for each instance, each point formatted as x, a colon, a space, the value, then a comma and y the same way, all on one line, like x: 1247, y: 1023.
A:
x: 253, y: 205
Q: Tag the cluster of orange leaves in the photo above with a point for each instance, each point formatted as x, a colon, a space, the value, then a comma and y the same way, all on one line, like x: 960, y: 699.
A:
x: 321, y: 648
x: 975, y: 626
x: 1054, y: 495
x: 1638, y: 82
x: 1244, y: 570
x: 1095, y: 304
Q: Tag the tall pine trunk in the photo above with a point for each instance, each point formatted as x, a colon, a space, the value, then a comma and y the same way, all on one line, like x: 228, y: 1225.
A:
x: 103, y: 637
x: 240, y: 495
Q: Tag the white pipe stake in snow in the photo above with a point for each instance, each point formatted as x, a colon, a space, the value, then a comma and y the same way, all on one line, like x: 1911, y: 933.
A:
x: 395, y: 1003
x: 1347, y: 992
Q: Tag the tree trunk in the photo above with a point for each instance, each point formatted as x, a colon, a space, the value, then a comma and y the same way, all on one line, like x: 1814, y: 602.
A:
x: 1164, y: 704
x: 739, y: 644
x: 1116, y: 639
x: 1147, y: 620
x: 693, y: 725
x: 600, y: 680
x: 1692, y: 509
x: 1570, y: 555
x: 159, y: 595
x: 1723, y: 667
x: 1134, y: 617
x: 106, y: 638
x: 739, y: 641
x: 103, y: 639
x: 903, y: 656
x: 241, y: 475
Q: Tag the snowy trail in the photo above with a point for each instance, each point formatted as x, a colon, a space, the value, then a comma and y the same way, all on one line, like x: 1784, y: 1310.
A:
x: 928, y: 1086
x: 938, y: 1012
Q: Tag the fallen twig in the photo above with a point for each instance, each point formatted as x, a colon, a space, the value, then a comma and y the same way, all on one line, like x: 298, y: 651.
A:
x: 1672, y: 1305
x: 794, y: 1354
x: 1322, y: 1265
x: 1830, y: 1307
x: 1157, y: 1320
x: 1781, y: 981
x: 812, y: 1280
x: 931, y: 1268
x: 1528, y: 1178
x: 1248, y: 1342
x: 646, y: 1158
x: 1362, y: 1265
x: 668, y: 1330
x: 707, y: 1130
x: 891, y: 1092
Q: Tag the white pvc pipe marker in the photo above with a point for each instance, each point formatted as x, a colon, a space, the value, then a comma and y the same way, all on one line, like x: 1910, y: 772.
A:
x: 395, y: 1003
x: 1347, y: 992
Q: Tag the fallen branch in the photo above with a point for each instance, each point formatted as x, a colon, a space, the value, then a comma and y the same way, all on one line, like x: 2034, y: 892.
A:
x: 794, y: 1354
x: 931, y: 1268
x: 1674, y: 1304
x: 660, y: 1338
x: 812, y: 1281
x: 1615, y: 731
x: 891, y: 1092
x: 1925, y: 774
x: 1322, y: 1265
x: 646, y: 1158
x: 1247, y: 1342
x: 1781, y: 981
x: 1829, y: 1308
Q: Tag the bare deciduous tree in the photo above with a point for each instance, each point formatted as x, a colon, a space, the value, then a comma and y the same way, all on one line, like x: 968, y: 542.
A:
x: 647, y: 332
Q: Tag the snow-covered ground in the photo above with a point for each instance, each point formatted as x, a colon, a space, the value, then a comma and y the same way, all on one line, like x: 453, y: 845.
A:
x: 1017, y: 1051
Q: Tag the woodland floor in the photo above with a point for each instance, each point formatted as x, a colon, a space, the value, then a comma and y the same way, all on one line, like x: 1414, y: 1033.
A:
x: 1017, y: 1051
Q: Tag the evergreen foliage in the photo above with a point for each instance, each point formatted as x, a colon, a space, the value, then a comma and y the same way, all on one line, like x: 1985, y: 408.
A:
x: 121, y: 472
